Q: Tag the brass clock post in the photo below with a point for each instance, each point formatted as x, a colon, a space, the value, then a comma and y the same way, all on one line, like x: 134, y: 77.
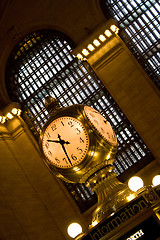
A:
x: 79, y: 145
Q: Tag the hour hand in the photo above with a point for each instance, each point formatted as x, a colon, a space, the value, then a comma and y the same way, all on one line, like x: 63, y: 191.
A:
x: 62, y: 141
x: 56, y: 141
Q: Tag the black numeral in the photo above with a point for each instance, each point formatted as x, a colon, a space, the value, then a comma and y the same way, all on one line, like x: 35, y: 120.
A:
x: 74, y: 157
x: 57, y: 160
x: 114, y: 136
x: 70, y: 123
x: 48, y: 135
x: 53, y: 127
x: 108, y: 135
x: 81, y: 140
x: 103, y: 130
x: 49, y: 153
x: 92, y: 115
x: 64, y: 159
x: 78, y: 131
x: 79, y: 150
x: 47, y: 145
x: 96, y: 122
x: 62, y: 123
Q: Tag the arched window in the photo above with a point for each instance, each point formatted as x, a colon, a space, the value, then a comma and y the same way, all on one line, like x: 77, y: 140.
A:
x: 139, y: 21
x: 42, y: 65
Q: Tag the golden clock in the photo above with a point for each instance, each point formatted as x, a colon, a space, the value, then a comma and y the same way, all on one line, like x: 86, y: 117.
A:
x: 76, y: 141
x: 65, y: 142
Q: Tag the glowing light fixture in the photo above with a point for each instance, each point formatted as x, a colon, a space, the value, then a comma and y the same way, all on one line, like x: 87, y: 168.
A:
x: 102, y: 38
x: 135, y: 183
x: 19, y: 112
x: 114, y: 28
x: 156, y: 180
x: 96, y: 42
x: 79, y: 56
x: 74, y: 229
x: 85, y: 52
x: 91, y: 47
x: 2, y: 119
x: 108, y: 33
x: 14, y: 111
x: 9, y: 115
x: 94, y: 223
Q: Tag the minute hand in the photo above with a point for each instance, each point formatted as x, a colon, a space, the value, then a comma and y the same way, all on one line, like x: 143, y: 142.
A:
x: 62, y: 142
x: 66, y: 154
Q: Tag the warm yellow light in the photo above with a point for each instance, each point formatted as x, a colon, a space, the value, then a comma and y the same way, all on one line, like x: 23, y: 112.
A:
x: 91, y: 47
x: 9, y: 115
x: 74, y: 229
x: 76, y: 169
x: 94, y: 223
x: 79, y: 56
x: 19, y: 112
x: 96, y: 42
x: 107, y: 33
x: 2, y: 119
x: 114, y: 28
x: 14, y: 111
x: 130, y: 197
x: 85, y: 52
x: 156, y: 180
x: 108, y: 156
x: 135, y: 183
x: 102, y: 38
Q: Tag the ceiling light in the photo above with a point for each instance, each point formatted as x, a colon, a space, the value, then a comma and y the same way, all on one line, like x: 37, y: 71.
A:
x: 135, y: 183
x: 14, y: 111
x: 156, y: 180
x: 9, y: 115
x: 96, y: 42
x: 74, y: 229
x: 79, y: 56
x: 102, y: 38
x: 91, y: 47
x: 85, y: 52
x: 108, y: 33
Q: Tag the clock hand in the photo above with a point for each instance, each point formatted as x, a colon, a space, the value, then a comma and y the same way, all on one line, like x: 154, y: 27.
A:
x: 56, y: 141
x: 66, y: 154
x: 59, y: 141
x: 62, y: 142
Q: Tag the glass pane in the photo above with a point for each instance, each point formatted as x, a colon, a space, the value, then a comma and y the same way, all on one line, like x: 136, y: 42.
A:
x: 139, y: 22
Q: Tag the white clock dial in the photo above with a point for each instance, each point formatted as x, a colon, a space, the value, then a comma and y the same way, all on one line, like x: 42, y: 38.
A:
x: 65, y: 142
x: 101, y: 125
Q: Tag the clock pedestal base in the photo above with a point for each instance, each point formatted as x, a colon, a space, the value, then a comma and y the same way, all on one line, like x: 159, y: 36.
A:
x: 138, y: 219
x: 111, y: 193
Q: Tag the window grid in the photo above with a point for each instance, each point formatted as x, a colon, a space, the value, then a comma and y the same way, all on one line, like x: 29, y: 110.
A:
x: 139, y: 22
x: 39, y: 70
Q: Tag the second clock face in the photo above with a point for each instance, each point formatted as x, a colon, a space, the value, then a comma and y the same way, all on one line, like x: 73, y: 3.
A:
x: 101, y: 125
x: 65, y: 142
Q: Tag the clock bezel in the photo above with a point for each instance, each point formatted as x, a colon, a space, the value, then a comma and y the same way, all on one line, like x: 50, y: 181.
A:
x: 57, y: 121
x: 103, y: 139
x: 65, y: 112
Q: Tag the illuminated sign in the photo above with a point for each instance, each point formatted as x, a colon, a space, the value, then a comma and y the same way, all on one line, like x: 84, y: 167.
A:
x: 149, y: 229
x: 119, y: 217
x: 136, y: 235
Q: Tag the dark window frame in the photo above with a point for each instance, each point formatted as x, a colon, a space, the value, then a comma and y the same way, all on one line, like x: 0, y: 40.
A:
x: 32, y: 74
x: 140, y: 37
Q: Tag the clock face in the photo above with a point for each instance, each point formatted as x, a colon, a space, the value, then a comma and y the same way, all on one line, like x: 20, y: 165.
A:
x: 65, y: 142
x: 100, y: 124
